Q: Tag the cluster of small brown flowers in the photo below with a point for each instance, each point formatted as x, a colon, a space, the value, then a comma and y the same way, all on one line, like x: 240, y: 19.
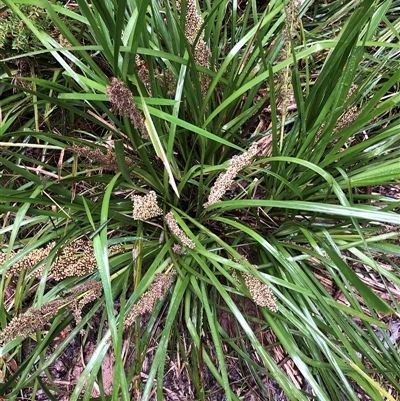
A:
x: 90, y: 291
x: 177, y: 249
x: 123, y: 104
x: 143, y: 73
x: 174, y: 227
x: 225, y: 180
x: 156, y: 291
x: 29, y: 261
x: 23, y: 70
x: 108, y: 160
x: 26, y: 323
x: 260, y: 292
x: 114, y: 249
x: 349, y: 115
x: 193, y: 25
x: 265, y: 146
x: 59, y: 37
x: 165, y: 79
x: 345, y: 119
x: 63, y: 41
x: 145, y: 207
x: 76, y: 259
x: 291, y: 26
x: 168, y: 80
x: 292, y: 21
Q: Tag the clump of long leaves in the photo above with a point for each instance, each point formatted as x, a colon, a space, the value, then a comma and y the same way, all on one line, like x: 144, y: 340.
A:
x: 300, y: 213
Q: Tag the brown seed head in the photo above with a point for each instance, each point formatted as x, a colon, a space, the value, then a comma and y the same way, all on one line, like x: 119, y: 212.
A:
x: 26, y: 323
x: 75, y: 259
x: 114, y: 249
x: 145, y: 207
x: 30, y: 260
x: 174, y: 227
x: 349, y: 115
x: 123, y: 104
x: 168, y: 80
x: 89, y: 291
x: 260, y: 292
x: 225, y: 180
x: 147, y: 301
x: 201, y: 53
x: 177, y: 249
x: 106, y: 160
x: 143, y: 73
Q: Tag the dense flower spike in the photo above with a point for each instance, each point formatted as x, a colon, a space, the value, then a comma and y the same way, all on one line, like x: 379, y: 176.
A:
x: 291, y: 26
x: 168, y: 80
x: 349, y: 115
x: 75, y: 259
x: 29, y: 261
x: 26, y: 323
x: 123, y: 104
x: 91, y: 291
x: 96, y: 156
x: 108, y: 160
x: 145, y: 207
x: 225, y: 180
x: 201, y: 54
x: 174, y: 227
x: 260, y: 292
x: 177, y: 249
x: 114, y: 249
x: 146, y: 303
x: 143, y: 73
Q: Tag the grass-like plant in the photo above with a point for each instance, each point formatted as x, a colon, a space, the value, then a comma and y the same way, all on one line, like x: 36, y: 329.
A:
x: 216, y: 167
